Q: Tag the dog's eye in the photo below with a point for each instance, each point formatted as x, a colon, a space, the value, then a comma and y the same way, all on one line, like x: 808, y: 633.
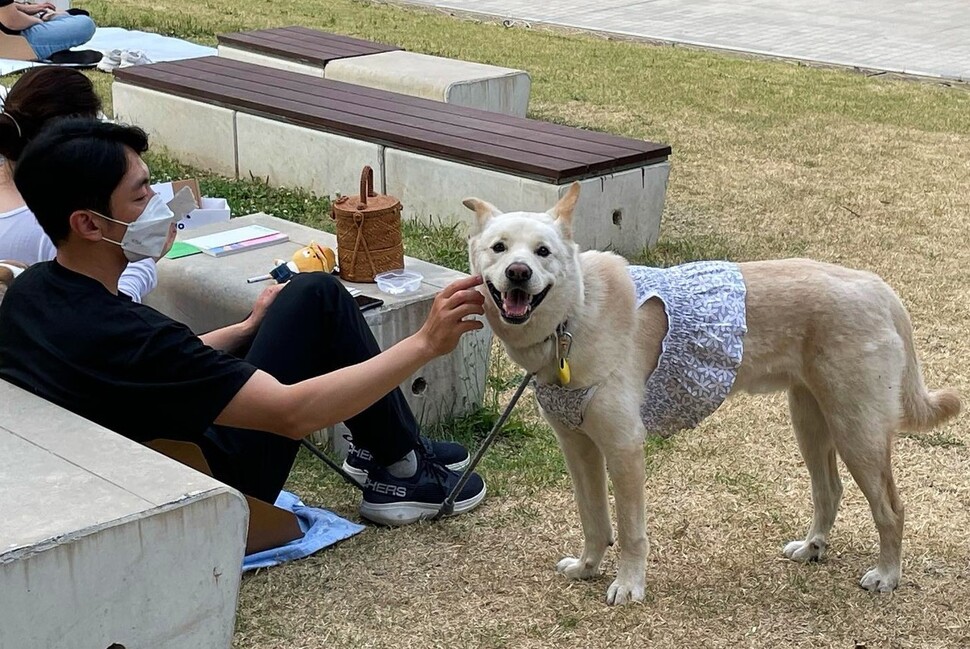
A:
x: 542, y: 251
x: 498, y: 247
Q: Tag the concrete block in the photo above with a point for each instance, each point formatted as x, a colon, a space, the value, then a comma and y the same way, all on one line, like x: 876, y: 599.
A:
x: 619, y: 211
x: 196, y: 133
x: 295, y: 156
x: 104, y: 541
x: 463, y: 83
x: 207, y: 292
x: 277, y: 63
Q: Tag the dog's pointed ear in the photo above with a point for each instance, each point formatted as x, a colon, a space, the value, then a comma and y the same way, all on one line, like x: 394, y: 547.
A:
x: 563, y: 210
x: 483, y: 212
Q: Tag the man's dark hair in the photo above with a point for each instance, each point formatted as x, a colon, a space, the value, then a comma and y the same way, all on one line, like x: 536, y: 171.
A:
x: 74, y: 164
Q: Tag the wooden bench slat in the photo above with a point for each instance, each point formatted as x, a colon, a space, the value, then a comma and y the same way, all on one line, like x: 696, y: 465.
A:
x: 284, y: 41
x: 330, y: 37
x: 571, y: 160
x: 352, y: 124
x: 302, y: 44
x: 311, y: 54
x: 519, y: 131
x: 488, y: 123
x: 505, y: 143
x: 450, y: 111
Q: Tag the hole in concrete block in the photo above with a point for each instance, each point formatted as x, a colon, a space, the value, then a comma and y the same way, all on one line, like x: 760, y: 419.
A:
x: 115, y: 645
x: 419, y: 386
x: 617, y: 216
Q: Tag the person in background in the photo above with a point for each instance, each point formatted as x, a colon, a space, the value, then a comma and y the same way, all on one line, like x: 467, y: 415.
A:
x: 50, y: 33
x: 39, y: 97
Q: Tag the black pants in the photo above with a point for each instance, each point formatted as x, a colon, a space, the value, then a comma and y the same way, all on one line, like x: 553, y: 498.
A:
x: 313, y: 327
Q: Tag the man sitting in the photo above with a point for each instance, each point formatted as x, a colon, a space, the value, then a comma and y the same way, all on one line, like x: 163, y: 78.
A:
x: 68, y: 335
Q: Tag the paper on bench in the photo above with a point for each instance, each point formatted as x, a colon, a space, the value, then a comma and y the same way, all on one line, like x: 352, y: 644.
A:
x: 229, y: 237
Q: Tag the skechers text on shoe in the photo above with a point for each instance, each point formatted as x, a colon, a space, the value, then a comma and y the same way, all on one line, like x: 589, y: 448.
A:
x: 389, y: 500
x: 360, y: 461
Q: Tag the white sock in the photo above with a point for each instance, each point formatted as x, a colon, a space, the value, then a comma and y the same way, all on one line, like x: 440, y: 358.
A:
x: 406, y: 467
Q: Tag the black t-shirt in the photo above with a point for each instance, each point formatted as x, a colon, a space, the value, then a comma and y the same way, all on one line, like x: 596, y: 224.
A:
x: 118, y: 363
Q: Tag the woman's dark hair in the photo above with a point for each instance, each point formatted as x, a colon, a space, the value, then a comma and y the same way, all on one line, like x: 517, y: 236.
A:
x: 85, y: 158
x: 39, y: 96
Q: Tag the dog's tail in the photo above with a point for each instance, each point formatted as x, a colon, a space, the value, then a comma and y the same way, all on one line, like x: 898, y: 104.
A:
x: 922, y: 409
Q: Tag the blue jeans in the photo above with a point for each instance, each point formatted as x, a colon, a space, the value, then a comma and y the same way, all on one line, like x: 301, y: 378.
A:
x: 60, y: 33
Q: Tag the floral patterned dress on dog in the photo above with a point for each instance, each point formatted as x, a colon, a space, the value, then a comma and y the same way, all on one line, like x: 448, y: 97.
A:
x: 700, y: 355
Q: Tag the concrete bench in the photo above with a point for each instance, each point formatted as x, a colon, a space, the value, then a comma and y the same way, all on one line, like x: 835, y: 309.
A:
x: 243, y: 120
x: 104, y: 541
x: 207, y: 292
x: 341, y: 58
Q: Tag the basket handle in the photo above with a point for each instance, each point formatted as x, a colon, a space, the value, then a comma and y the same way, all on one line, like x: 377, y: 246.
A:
x: 366, y: 186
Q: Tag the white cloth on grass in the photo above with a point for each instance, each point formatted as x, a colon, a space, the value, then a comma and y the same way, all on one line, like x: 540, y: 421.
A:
x: 157, y: 47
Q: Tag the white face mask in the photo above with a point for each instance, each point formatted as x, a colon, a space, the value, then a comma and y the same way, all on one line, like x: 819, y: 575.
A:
x: 147, y: 235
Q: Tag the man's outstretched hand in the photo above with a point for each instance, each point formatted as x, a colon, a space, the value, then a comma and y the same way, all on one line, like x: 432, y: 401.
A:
x: 447, y: 321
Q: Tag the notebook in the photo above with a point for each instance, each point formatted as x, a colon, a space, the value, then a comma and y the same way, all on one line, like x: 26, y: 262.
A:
x: 250, y: 237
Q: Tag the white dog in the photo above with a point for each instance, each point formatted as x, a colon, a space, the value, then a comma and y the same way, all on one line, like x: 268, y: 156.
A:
x: 619, y: 349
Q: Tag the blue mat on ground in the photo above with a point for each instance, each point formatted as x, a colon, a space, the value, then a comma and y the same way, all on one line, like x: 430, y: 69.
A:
x: 321, y: 528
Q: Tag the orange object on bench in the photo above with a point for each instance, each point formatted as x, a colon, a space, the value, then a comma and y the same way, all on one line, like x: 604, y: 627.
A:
x: 269, y: 526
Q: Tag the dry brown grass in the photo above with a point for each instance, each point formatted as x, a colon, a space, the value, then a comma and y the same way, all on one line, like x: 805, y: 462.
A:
x: 723, y: 498
x: 770, y: 159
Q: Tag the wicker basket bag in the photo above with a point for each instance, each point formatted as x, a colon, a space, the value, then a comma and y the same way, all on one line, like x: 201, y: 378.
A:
x: 369, y: 238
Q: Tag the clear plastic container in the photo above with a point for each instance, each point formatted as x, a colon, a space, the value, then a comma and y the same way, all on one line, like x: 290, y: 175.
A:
x: 398, y: 281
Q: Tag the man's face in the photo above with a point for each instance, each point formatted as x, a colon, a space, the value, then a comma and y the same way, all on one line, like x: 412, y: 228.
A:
x: 129, y: 198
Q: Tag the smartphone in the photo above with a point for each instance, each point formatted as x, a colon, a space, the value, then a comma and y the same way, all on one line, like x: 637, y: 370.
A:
x: 366, y: 302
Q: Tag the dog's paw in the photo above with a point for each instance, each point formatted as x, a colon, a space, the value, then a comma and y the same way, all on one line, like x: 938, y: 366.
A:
x: 576, y: 568
x: 804, y: 551
x: 622, y: 592
x: 878, y: 581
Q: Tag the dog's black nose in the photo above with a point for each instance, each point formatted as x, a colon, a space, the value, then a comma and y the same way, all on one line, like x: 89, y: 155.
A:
x: 518, y: 272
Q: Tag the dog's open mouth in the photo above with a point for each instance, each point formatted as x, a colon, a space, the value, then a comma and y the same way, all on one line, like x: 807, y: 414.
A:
x: 516, y: 305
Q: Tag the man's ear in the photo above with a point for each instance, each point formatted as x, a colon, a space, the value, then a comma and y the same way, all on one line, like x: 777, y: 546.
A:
x: 483, y: 212
x: 563, y: 210
x: 86, y: 225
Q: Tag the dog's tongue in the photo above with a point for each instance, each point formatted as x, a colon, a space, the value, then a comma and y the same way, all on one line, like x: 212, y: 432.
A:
x: 516, y: 302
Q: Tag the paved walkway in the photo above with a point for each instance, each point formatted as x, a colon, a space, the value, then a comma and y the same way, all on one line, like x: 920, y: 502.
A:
x: 924, y: 37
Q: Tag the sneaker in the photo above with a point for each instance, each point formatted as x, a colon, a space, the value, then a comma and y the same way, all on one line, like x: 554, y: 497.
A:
x: 134, y: 57
x: 77, y: 58
x: 359, y: 461
x: 400, y: 501
x: 111, y: 60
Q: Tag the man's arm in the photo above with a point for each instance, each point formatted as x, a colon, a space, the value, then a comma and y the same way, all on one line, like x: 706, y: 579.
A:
x: 237, y: 335
x: 297, y: 410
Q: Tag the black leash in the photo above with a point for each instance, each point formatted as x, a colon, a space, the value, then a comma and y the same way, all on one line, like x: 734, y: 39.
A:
x: 448, y: 507
x: 330, y: 463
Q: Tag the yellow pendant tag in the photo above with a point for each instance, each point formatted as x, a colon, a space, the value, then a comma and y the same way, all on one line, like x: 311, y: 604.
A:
x: 564, y: 375
x: 564, y: 343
